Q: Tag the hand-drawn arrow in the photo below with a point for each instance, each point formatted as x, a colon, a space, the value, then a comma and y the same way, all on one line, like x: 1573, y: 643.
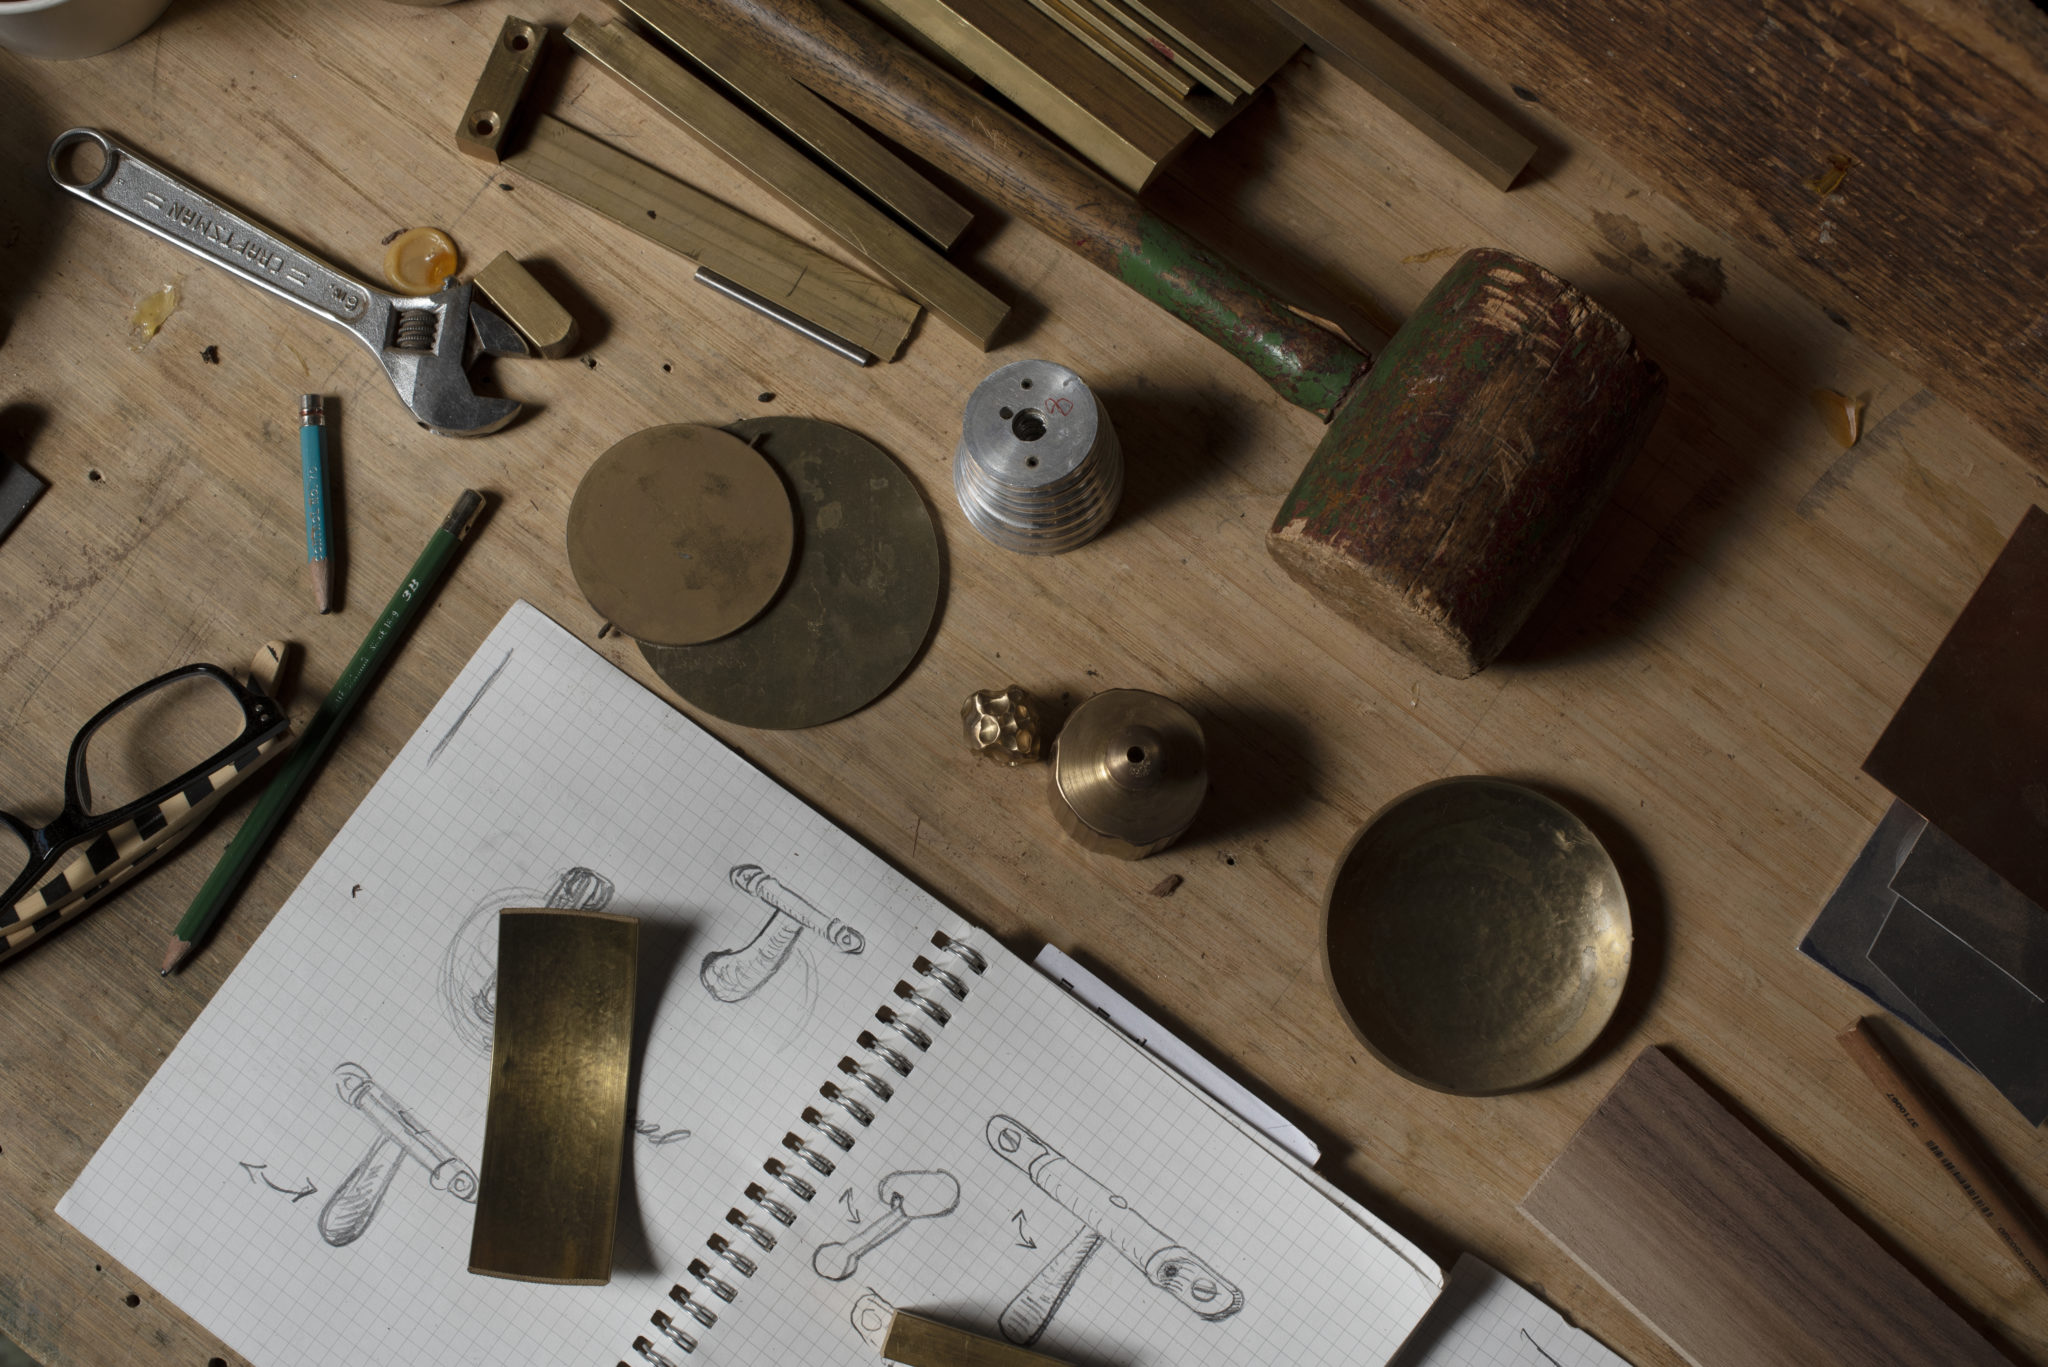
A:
x: 257, y: 1174
x: 846, y: 1198
x: 1023, y: 1240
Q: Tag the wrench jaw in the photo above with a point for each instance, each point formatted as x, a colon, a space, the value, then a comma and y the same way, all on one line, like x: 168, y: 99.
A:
x: 427, y: 347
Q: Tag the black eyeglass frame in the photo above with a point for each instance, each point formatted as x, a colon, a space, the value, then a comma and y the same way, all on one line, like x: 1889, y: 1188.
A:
x: 263, y: 721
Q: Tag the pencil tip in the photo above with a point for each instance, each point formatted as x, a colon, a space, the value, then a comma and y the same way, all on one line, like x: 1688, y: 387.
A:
x: 173, y: 956
x: 322, y: 574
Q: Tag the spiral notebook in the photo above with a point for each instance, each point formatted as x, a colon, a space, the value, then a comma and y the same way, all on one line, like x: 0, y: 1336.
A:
x: 848, y: 1099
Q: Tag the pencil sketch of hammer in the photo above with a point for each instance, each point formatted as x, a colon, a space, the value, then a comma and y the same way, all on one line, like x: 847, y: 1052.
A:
x: 733, y: 975
x: 349, y: 1211
x: 1108, y: 1218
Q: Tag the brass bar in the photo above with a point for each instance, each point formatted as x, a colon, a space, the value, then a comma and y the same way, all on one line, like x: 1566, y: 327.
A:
x: 555, y: 1134
x: 716, y: 236
x: 724, y: 128
x: 1237, y: 37
x: 1119, y: 48
x: 511, y: 289
x: 1169, y: 47
x: 506, y: 75
x: 1406, y: 84
x: 1051, y: 76
x: 915, y: 1341
x: 809, y: 120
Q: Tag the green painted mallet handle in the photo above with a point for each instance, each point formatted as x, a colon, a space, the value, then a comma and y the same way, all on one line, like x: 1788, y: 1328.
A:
x: 240, y: 857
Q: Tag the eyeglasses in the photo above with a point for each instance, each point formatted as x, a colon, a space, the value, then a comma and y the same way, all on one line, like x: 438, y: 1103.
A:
x: 142, y: 775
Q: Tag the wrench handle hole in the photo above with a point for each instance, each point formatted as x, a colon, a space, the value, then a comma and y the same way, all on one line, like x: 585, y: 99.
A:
x: 82, y: 162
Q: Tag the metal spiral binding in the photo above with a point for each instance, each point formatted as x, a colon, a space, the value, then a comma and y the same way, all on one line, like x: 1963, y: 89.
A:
x: 740, y: 1221
x: 815, y: 1118
x: 758, y: 1194
x: 663, y: 1322
x: 947, y: 976
x: 881, y: 1089
x: 415, y: 329
x: 703, y: 1314
x: 775, y: 1168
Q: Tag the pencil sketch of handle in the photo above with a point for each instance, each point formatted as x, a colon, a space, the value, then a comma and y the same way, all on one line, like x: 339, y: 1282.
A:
x: 400, y: 1136
x: 1166, y: 1264
x: 733, y: 975
x: 910, y: 1196
x: 1027, y: 1314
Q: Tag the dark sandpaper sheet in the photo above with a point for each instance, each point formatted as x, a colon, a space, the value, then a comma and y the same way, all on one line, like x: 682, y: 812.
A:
x: 1987, y: 913
x: 1840, y: 937
x: 1998, y: 1026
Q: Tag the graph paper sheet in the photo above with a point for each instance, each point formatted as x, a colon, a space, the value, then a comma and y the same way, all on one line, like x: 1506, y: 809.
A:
x: 300, y: 1173
x: 1484, y: 1319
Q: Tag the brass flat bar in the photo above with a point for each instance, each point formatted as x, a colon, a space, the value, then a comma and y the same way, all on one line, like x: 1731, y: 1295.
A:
x: 915, y: 1341
x: 1205, y: 112
x: 1168, y: 47
x: 715, y: 236
x: 1238, y: 38
x: 1049, y: 74
x: 507, y: 72
x: 547, y: 1204
x: 722, y: 126
x: 1406, y: 84
x: 1120, y: 48
x: 808, y: 119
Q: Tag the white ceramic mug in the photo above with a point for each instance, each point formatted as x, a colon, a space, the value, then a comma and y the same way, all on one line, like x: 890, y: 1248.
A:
x: 73, y: 28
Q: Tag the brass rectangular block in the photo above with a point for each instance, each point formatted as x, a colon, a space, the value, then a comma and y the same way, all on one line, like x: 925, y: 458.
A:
x: 511, y: 289
x: 554, y: 1138
x: 805, y: 117
x: 726, y: 129
x: 507, y: 73
x: 915, y: 1341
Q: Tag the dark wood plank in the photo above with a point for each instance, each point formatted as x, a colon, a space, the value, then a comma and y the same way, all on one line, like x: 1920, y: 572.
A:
x: 1886, y: 155
x: 1671, y: 1201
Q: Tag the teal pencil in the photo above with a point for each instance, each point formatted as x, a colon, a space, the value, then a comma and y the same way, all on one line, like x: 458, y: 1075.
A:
x: 313, y: 471
x: 239, y: 860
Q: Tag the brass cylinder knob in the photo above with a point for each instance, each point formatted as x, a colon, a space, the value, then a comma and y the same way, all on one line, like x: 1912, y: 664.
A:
x: 1006, y: 727
x: 1129, y: 772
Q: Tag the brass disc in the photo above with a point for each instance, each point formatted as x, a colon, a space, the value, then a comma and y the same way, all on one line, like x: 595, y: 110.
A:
x: 1477, y: 936
x: 859, y: 600
x: 680, y: 534
x: 1129, y: 771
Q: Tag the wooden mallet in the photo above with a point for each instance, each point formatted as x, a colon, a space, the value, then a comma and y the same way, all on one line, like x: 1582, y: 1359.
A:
x: 1457, y: 473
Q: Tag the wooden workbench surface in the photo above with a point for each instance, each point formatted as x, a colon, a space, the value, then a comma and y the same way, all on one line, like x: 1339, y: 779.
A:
x: 1702, y: 685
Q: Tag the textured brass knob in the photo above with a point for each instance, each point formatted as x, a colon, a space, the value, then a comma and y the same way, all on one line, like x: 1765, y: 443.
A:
x: 1129, y: 772
x: 1006, y: 727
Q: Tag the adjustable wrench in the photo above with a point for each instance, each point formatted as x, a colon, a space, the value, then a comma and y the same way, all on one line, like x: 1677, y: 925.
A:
x: 424, y: 345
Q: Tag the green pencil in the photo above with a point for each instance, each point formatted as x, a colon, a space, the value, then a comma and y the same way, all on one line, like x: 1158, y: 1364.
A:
x: 239, y: 860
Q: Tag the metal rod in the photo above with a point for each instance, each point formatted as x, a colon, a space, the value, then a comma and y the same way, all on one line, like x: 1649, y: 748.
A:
x: 740, y: 294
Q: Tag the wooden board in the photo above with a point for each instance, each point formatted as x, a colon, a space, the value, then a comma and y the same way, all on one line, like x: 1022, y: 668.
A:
x: 1052, y: 76
x: 1704, y: 682
x: 1809, y: 133
x: 1679, y: 1209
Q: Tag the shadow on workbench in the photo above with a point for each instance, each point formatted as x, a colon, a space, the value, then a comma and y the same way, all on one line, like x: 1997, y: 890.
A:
x: 11, y: 1356
x: 27, y: 226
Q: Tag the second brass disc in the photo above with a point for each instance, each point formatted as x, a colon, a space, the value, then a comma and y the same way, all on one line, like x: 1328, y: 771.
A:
x: 680, y: 534
x: 860, y: 597
x: 1477, y: 936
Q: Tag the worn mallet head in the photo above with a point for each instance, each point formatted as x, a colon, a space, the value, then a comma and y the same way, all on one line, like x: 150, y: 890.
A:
x: 1465, y: 466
